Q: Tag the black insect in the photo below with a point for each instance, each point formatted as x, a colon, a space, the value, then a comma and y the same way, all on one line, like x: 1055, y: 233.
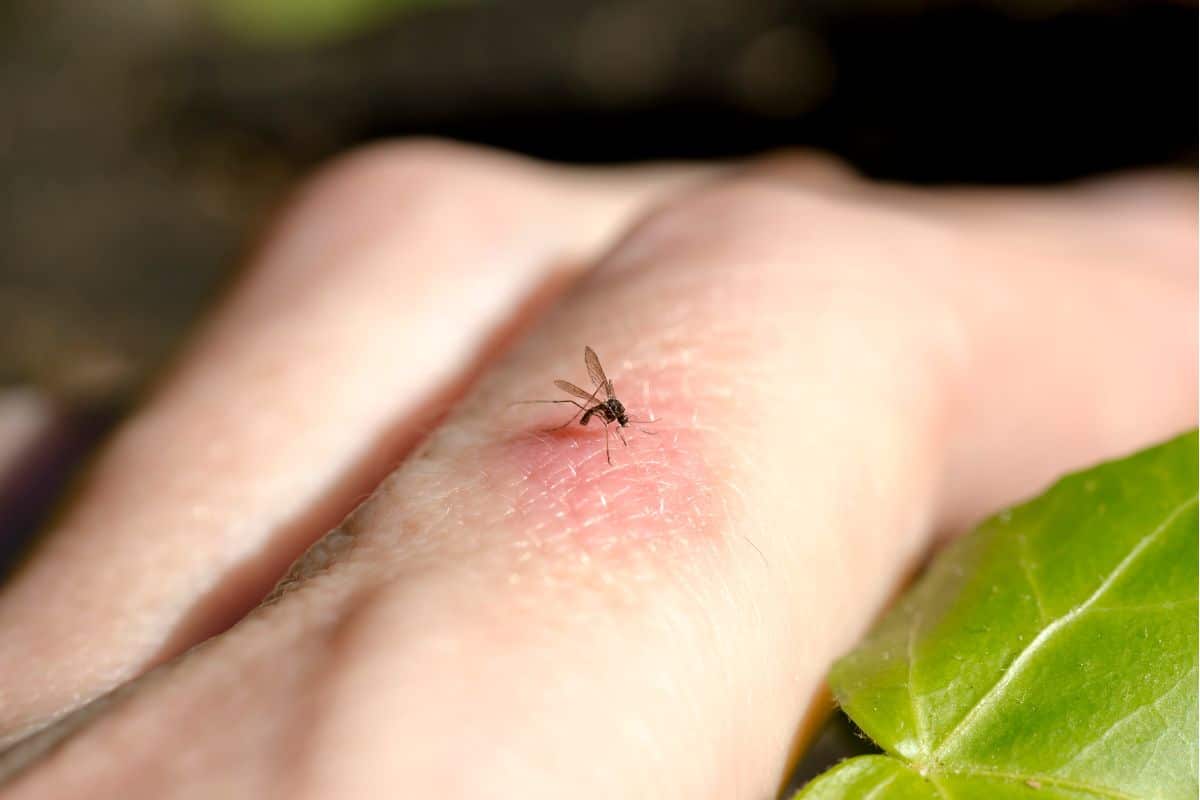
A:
x: 609, y: 410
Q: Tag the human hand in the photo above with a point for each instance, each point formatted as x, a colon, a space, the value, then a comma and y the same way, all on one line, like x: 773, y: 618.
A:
x: 842, y: 371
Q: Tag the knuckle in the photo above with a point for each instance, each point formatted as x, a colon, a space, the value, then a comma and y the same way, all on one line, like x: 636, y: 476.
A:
x: 744, y: 219
x: 793, y: 256
x: 803, y: 167
x: 415, y: 170
x: 398, y: 191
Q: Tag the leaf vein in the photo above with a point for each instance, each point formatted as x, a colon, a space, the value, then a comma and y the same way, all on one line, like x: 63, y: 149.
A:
x: 1027, y: 571
x: 1166, y: 605
x: 995, y: 693
x: 1049, y: 780
x: 879, y: 787
x: 1150, y: 706
x: 941, y: 790
x: 918, y: 719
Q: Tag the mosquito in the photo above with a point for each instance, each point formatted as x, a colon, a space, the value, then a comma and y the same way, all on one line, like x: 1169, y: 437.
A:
x: 609, y: 410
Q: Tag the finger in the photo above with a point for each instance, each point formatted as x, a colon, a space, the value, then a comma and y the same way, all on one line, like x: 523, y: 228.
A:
x: 509, y: 595
x: 635, y: 641
x: 361, y: 318
x: 1105, y: 249
x: 1111, y: 263
x: 641, y: 636
x: 567, y: 623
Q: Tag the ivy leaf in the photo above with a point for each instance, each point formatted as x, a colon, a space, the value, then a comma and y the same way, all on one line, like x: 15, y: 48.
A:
x: 1050, y: 654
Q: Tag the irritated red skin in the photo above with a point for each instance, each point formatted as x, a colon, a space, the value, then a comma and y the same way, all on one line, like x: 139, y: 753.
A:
x: 658, y: 490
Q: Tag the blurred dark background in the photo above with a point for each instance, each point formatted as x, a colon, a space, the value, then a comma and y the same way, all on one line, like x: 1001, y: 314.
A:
x: 142, y: 140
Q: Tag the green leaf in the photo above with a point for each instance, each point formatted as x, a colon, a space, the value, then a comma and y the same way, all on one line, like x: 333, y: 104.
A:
x: 1050, y: 654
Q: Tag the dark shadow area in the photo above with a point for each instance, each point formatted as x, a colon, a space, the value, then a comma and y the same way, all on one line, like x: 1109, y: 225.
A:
x: 139, y: 151
x: 838, y: 739
x: 42, y: 475
x: 940, y: 92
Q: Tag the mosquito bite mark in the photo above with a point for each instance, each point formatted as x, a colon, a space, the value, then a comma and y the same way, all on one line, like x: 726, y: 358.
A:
x: 659, y: 489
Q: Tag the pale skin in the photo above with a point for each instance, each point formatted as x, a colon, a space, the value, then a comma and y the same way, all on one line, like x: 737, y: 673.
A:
x: 843, y: 371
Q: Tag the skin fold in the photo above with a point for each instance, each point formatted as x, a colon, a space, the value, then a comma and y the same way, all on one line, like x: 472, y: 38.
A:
x: 840, y: 372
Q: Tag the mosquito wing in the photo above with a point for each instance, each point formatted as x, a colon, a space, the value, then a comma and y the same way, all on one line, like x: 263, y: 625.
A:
x: 596, y: 372
x: 571, y: 388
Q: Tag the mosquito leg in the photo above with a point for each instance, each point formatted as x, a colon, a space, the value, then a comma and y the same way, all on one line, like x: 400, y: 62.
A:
x: 534, y: 402
x: 644, y: 422
x: 583, y: 407
x: 574, y: 416
x: 607, y: 452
